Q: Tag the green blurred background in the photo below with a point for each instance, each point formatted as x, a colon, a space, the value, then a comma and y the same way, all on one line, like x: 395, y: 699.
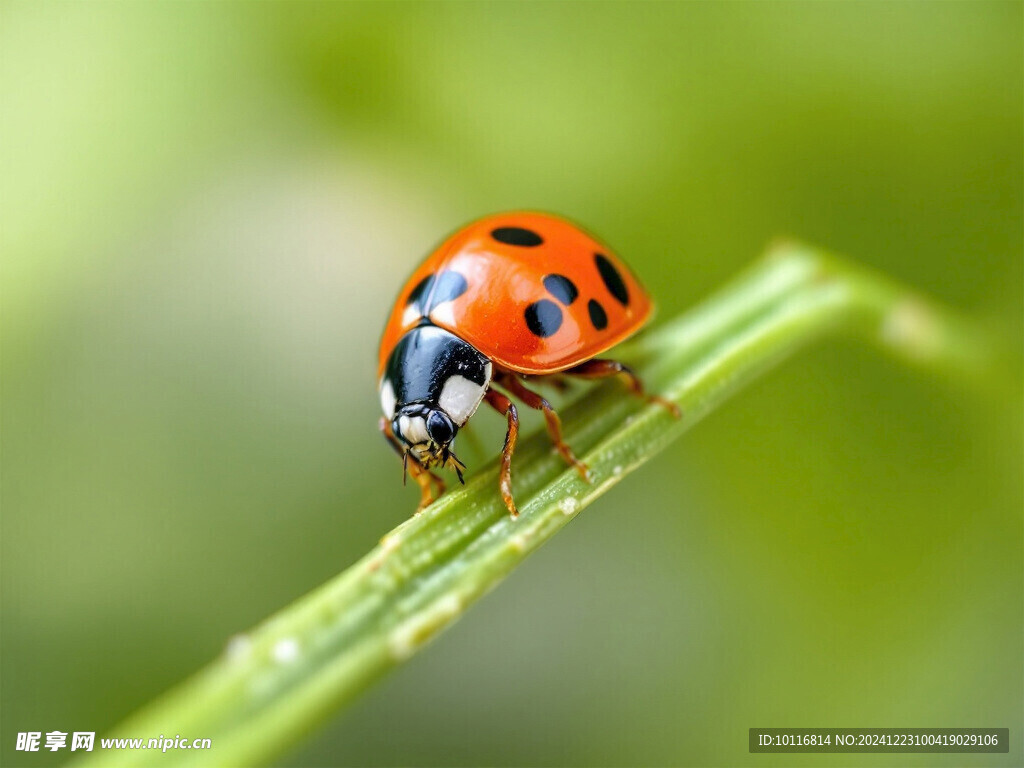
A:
x: 207, y: 210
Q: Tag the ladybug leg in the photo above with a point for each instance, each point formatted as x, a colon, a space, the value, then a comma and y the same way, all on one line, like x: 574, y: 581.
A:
x: 601, y: 369
x: 512, y: 383
x: 420, y: 474
x: 507, y: 408
x: 425, y: 479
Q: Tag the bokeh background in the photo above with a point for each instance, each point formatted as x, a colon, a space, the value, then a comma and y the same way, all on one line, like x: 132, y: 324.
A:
x: 207, y: 210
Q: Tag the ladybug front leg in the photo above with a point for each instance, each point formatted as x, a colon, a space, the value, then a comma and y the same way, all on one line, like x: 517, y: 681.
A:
x: 425, y: 479
x: 507, y: 408
x: 602, y: 369
x: 512, y: 383
x: 423, y: 476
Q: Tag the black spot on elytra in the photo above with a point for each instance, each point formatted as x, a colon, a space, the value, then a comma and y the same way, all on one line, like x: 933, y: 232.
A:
x: 448, y: 286
x: 420, y: 292
x: 543, y: 318
x: 562, y: 288
x: 437, y: 289
x: 526, y: 238
x: 612, y: 279
x: 597, y: 314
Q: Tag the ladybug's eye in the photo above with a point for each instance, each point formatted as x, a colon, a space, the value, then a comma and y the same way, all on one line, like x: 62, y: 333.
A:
x: 440, y: 428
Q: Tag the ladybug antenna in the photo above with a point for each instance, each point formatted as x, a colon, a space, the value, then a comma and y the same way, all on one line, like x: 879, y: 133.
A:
x: 405, y: 466
x: 457, y: 465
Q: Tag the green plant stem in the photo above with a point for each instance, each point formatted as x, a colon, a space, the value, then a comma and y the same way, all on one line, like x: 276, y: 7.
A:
x: 276, y: 683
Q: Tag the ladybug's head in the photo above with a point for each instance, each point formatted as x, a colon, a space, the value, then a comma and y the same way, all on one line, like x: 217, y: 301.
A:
x: 432, y: 383
x: 427, y: 433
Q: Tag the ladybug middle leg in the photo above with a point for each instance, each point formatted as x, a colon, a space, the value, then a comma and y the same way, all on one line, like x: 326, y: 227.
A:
x: 512, y: 383
x: 602, y: 369
x: 423, y: 476
x: 507, y: 408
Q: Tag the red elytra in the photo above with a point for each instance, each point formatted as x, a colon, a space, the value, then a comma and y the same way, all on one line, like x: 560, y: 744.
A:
x: 505, y: 279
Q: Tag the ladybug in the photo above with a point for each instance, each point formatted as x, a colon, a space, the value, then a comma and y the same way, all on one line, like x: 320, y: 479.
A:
x: 507, y: 300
